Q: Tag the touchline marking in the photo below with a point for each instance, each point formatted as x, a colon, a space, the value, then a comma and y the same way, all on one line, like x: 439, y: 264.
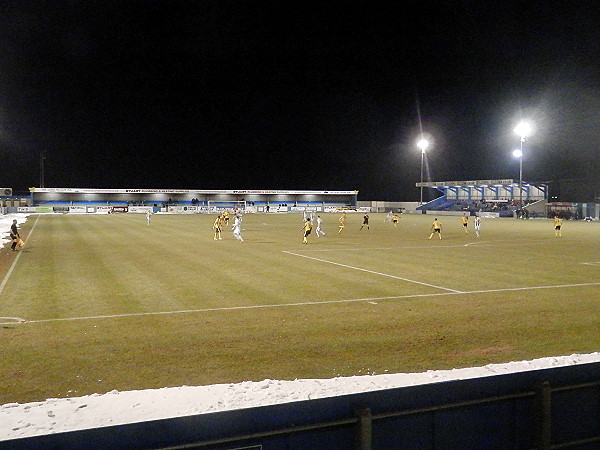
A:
x: 14, y: 263
x: 373, y: 272
x: 325, y: 302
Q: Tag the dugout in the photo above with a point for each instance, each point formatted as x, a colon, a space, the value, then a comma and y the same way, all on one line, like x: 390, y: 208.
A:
x: 257, y: 199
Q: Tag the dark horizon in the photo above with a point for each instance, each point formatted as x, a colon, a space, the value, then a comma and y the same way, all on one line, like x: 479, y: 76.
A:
x: 232, y: 95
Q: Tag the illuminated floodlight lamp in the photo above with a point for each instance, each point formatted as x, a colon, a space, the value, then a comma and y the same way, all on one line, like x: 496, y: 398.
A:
x: 523, y: 129
x: 518, y: 153
x: 423, y: 144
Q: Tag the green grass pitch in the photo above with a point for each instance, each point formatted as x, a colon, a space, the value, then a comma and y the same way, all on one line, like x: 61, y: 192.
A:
x: 112, y: 303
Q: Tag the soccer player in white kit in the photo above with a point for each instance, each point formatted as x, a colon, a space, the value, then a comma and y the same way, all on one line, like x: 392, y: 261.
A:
x: 319, y: 231
x: 477, y: 225
x: 148, y: 214
x: 237, y: 228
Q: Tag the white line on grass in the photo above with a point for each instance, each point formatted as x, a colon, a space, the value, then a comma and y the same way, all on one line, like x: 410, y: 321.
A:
x: 373, y: 272
x: 325, y: 302
x: 485, y: 243
x: 14, y: 263
x: 11, y: 320
x: 380, y: 248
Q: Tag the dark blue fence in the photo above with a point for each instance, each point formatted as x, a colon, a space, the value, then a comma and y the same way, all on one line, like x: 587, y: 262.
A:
x: 550, y: 408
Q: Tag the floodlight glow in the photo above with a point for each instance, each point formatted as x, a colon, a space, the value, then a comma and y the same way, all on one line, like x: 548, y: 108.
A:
x: 423, y: 144
x: 517, y: 153
x: 523, y: 129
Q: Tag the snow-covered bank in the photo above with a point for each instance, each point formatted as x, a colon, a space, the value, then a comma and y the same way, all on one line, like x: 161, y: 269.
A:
x: 6, y: 222
x: 113, y: 408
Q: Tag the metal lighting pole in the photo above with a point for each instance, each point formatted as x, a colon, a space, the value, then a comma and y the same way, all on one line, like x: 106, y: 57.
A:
x: 42, y: 157
x: 523, y: 129
x: 521, y: 174
x: 422, y: 144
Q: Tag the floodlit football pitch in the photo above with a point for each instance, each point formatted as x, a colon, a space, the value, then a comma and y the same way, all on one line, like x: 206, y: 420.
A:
x: 100, y: 302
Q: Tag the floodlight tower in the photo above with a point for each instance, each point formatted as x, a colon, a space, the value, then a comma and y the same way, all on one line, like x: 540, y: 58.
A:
x: 422, y: 144
x: 523, y: 130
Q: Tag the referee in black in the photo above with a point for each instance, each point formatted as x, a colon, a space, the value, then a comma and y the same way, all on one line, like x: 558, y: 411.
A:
x: 14, y: 235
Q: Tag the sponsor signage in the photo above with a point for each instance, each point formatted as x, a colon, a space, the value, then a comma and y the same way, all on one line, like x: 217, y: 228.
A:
x: 465, y: 183
x: 140, y: 209
x: 184, y: 191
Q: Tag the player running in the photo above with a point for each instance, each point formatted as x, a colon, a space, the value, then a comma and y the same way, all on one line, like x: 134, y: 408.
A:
x: 307, y: 229
x: 477, y: 225
x: 342, y: 221
x: 436, y: 227
x: 319, y: 231
x: 365, y: 222
x: 237, y: 228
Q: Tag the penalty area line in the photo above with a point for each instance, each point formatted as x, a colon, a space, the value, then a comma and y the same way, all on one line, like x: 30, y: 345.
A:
x: 325, y: 302
x: 373, y: 272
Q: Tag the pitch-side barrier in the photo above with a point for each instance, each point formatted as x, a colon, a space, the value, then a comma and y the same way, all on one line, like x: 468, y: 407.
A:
x: 544, y: 409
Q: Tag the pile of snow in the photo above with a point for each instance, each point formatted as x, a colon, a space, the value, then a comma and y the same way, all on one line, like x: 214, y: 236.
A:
x: 115, y: 408
x: 6, y: 222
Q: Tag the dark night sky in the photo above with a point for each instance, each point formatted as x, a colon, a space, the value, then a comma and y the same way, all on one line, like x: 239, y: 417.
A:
x: 295, y: 95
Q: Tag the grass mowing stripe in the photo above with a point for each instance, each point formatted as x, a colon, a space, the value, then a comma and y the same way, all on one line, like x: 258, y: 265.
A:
x: 373, y: 272
x: 325, y: 302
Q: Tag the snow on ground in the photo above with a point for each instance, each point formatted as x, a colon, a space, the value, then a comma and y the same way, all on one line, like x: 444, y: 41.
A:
x: 114, y: 408
x: 6, y: 222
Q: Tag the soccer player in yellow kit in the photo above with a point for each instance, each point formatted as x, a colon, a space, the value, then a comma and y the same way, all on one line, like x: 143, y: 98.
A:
x: 218, y: 226
x: 436, y: 227
x: 307, y: 229
x: 465, y: 222
x: 342, y: 221
x: 557, y: 225
x: 225, y: 218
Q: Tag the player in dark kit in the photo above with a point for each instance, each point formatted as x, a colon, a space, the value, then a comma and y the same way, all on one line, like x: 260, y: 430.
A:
x: 14, y: 235
x: 365, y: 222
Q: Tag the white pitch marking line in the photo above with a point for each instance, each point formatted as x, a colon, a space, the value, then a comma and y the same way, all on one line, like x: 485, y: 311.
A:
x: 485, y: 243
x: 233, y: 308
x: 10, y: 320
x: 326, y: 302
x: 14, y: 263
x: 591, y: 263
x: 526, y: 288
x: 373, y: 272
x: 378, y: 248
